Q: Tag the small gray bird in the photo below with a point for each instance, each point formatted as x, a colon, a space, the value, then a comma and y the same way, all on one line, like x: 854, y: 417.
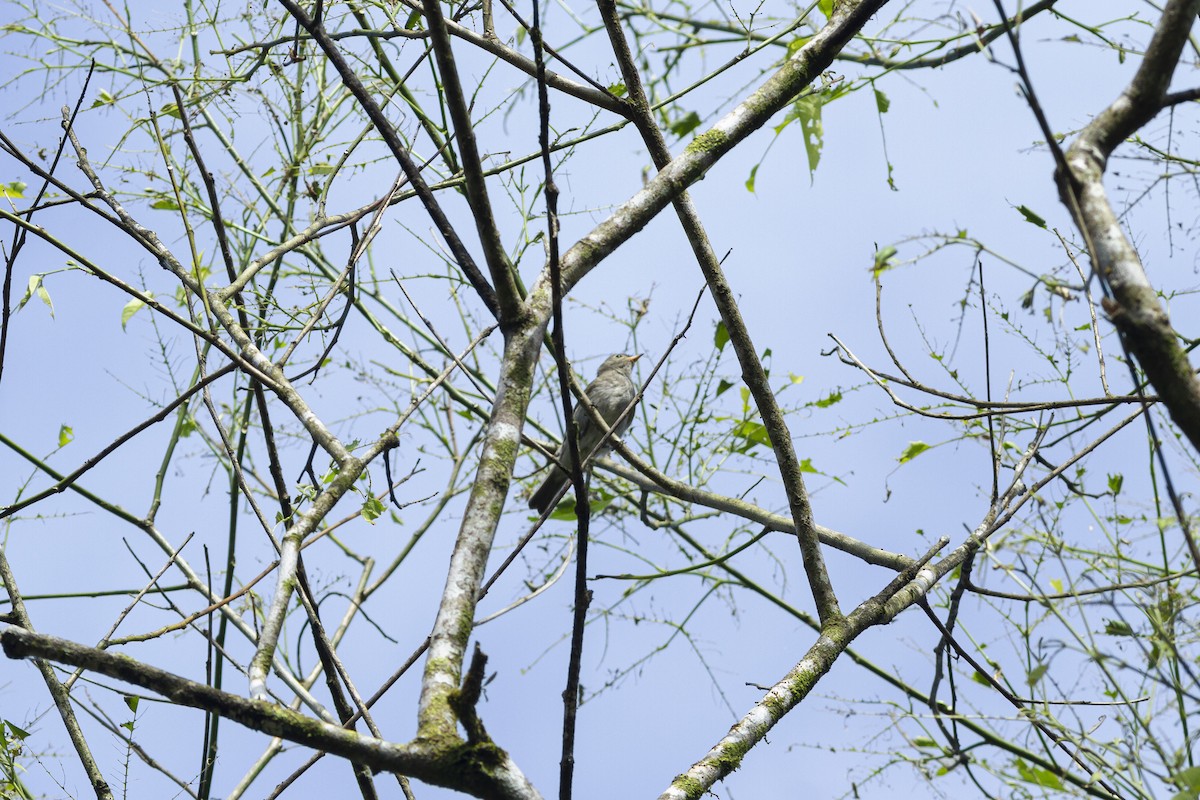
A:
x: 610, y: 393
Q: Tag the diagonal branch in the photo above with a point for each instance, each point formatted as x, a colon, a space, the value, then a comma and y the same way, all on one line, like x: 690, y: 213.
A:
x: 753, y: 373
x: 709, y: 147
x: 480, y: 770
x: 1134, y: 306
x: 476, y: 186
x: 390, y: 137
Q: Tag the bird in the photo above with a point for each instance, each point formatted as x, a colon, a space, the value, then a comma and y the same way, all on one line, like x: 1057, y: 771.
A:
x: 611, y: 392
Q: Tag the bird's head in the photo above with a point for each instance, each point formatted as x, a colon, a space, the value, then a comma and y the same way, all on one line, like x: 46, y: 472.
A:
x: 620, y: 361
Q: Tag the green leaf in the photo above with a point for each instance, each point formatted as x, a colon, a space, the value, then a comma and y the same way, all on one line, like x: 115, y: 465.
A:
x: 1031, y: 217
x: 1116, y: 627
x: 1056, y: 585
x: 1038, y: 776
x: 128, y: 726
x: 36, y: 287
x: 372, y: 509
x: 1189, y: 781
x: 413, y: 23
x: 17, y: 732
x: 924, y: 741
x: 913, y: 450
x: 14, y: 190
x: 795, y: 44
x: 66, y: 435
x: 882, y: 103
x: 883, y: 260
x: 826, y: 7
x: 1115, y: 482
x: 752, y: 432
x: 1036, y: 674
x: 721, y: 335
x: 104, y: 99
x: 794, y: 378
x: 618, y: 89
x: 980, y: 678
x: 598, y: 500
x: 322, y: 168
x: 829, y: 400
x: 685, y: 124
x: 171, y: 110
x: 807, y: 466
x: 132, y: 307
x: 165, y: 204
x: 131, y: 701
x: 808, y: 111
x: 750, y: 180
x: 723, y: 386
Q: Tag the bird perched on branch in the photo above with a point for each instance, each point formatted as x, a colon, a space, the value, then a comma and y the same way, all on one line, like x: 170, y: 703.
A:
x: 611, y: 392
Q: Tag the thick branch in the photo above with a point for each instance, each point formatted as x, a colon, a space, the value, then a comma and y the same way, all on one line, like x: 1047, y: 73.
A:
x: 1135, y: 308
x: 482, y: 771
x: 477, y: 196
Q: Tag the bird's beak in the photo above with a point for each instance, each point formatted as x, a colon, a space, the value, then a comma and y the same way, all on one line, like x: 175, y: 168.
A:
x: 634, y: 358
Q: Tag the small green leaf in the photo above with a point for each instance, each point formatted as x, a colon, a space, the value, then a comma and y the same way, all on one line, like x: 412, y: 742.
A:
x: 1036, y: 674
x: 171, y: 110
x: 913, y: 450
x: 980, y: 678
x: 795, y: 44
x: 830, y: 399
x: 17, y: 732
x: 826, y: 7
x: 882, y: 103
x: 323, y: 168
x: 128, y: 726
x: 1031, y: 217
x: 721, y: 336
x: 66, y: 435
x: 1189, y: 781
x: 750, y: 180
x: 1038, y: 776
x: 752, y: 432
x: 131, y: 701
x: 598, y: 500
x: 883, y: 259
x: 685, y: 124
x: 1116, y: 627
x: 1115, y: 482
x: 618, y: 89
x: 132, y: 307
x: 14, y: 190
x: 372, y: 509
x: 165, y: 204
x: 925, y: 741
x: 103, y: 99
x: 807, y: 110
x: 723, y: 386
x: 1056, y: 585
x: 794, y: 378
x: 37, y: 287
x: 413, y: 23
